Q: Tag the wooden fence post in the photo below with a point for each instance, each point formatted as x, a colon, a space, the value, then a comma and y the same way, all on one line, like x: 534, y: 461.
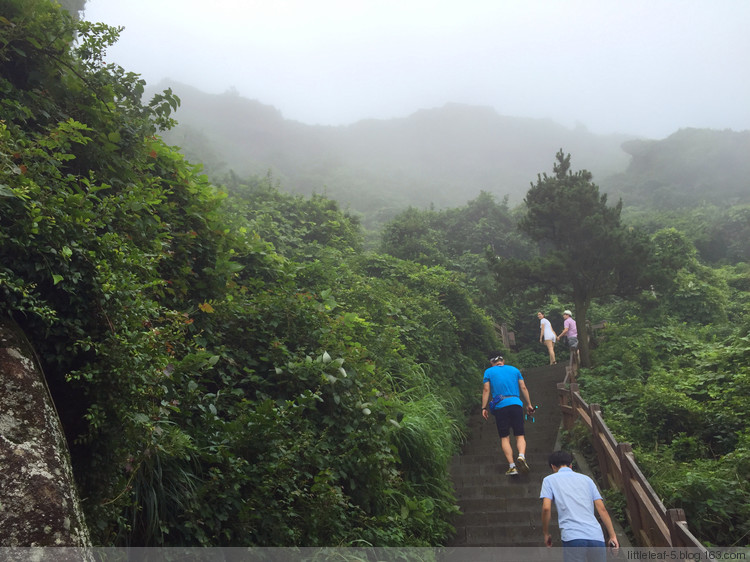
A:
x: 632, y: 507
x: 567, y: 404
x: 674, y: 516
x: 679, y: 534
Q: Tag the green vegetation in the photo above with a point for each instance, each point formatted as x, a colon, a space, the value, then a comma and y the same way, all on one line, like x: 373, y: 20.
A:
x: 226, y: 364
x: 585, y: 250
x: 438, y: 157
x: 679, y: 392
x: 234, y: 365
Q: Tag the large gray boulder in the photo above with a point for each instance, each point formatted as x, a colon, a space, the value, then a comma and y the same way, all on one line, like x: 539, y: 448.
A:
x: 39, y: 503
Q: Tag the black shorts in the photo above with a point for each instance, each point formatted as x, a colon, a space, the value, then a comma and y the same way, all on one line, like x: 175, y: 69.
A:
x: 507, y: 418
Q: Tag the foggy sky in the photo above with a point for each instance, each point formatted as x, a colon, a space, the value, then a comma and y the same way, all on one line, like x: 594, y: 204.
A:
x: 645, y: 67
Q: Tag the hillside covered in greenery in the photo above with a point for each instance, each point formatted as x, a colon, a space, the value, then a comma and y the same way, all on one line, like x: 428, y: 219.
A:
x: 214, y: 354
x: 445, y: 157
x: 234, y: 366
x: 441, y: 157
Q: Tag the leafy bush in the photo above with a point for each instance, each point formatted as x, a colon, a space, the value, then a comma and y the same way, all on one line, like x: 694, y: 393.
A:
x: 683, y: 418
x: 230, y: 369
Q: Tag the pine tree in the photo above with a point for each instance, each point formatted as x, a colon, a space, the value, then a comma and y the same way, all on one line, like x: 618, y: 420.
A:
x: 585, y: 250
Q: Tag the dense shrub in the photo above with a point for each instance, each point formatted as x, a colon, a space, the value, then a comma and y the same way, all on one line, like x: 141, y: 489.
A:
x: 684, y: 417
x: 230, y: 369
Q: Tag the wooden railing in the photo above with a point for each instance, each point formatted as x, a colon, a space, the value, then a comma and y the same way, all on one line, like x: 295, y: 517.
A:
x: 507, y: 337
x: 653, y: 525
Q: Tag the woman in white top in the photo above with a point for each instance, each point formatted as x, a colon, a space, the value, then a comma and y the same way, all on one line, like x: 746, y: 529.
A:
x: 547, y: 336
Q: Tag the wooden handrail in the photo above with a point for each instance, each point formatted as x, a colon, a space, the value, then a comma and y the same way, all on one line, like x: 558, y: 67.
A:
x: 653, y: 525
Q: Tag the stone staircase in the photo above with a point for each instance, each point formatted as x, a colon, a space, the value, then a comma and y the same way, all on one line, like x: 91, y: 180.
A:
x: 499, y: 510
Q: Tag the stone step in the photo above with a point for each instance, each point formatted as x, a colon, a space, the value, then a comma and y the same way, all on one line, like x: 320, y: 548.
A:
x: 470, y: 506
x: 514, y: 517
x: 488, y: 430
x: 467, y: 474
x: 497, y: 467
x: 488, y: 535
x: 490, y: 463
x: 495, y: 484
x: 536, y: 458
x: 502, y: 491
x: 499, y: 510
x: 491, y: 444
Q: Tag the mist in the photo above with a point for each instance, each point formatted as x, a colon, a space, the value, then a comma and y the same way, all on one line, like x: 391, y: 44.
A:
x: 641, y: 68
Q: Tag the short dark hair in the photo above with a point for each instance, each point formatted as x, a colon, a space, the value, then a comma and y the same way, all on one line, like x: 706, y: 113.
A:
x: 560, y: 458
x: 494, y: 356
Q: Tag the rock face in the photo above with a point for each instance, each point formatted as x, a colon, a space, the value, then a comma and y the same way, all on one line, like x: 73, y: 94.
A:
x: 39, y: 503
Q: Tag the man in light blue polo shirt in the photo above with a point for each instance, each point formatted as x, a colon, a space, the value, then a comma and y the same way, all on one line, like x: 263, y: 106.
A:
x: 575, y: 496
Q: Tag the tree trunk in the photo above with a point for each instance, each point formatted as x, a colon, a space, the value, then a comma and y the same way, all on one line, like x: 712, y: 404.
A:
x: 582, y: 308
x: 39, y: 503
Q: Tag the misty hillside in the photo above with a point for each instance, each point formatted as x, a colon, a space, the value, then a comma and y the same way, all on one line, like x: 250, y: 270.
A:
x: 444, y: 157
x: 687, y: 168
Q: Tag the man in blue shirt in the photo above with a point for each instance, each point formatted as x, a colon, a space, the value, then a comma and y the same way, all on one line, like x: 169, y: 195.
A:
x: 501, y: 392
x: 575, y: 496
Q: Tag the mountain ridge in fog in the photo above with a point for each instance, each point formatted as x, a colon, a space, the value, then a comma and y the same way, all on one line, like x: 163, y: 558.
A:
x: 439, y: 157
x: 442, y: 156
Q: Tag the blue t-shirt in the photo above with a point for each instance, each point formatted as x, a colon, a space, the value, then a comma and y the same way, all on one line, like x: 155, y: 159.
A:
x: 574, y: 495
x: 504, y: 380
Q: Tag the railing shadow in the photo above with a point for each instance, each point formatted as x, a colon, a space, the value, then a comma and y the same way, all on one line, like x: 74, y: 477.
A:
x: 652, y: 524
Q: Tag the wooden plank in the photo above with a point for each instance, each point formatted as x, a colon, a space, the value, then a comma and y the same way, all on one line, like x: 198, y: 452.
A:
x: 612, y: 470
x: 653, y: 520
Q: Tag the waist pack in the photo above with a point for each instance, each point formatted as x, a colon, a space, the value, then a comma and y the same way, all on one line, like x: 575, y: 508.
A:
x: 499, y: 398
